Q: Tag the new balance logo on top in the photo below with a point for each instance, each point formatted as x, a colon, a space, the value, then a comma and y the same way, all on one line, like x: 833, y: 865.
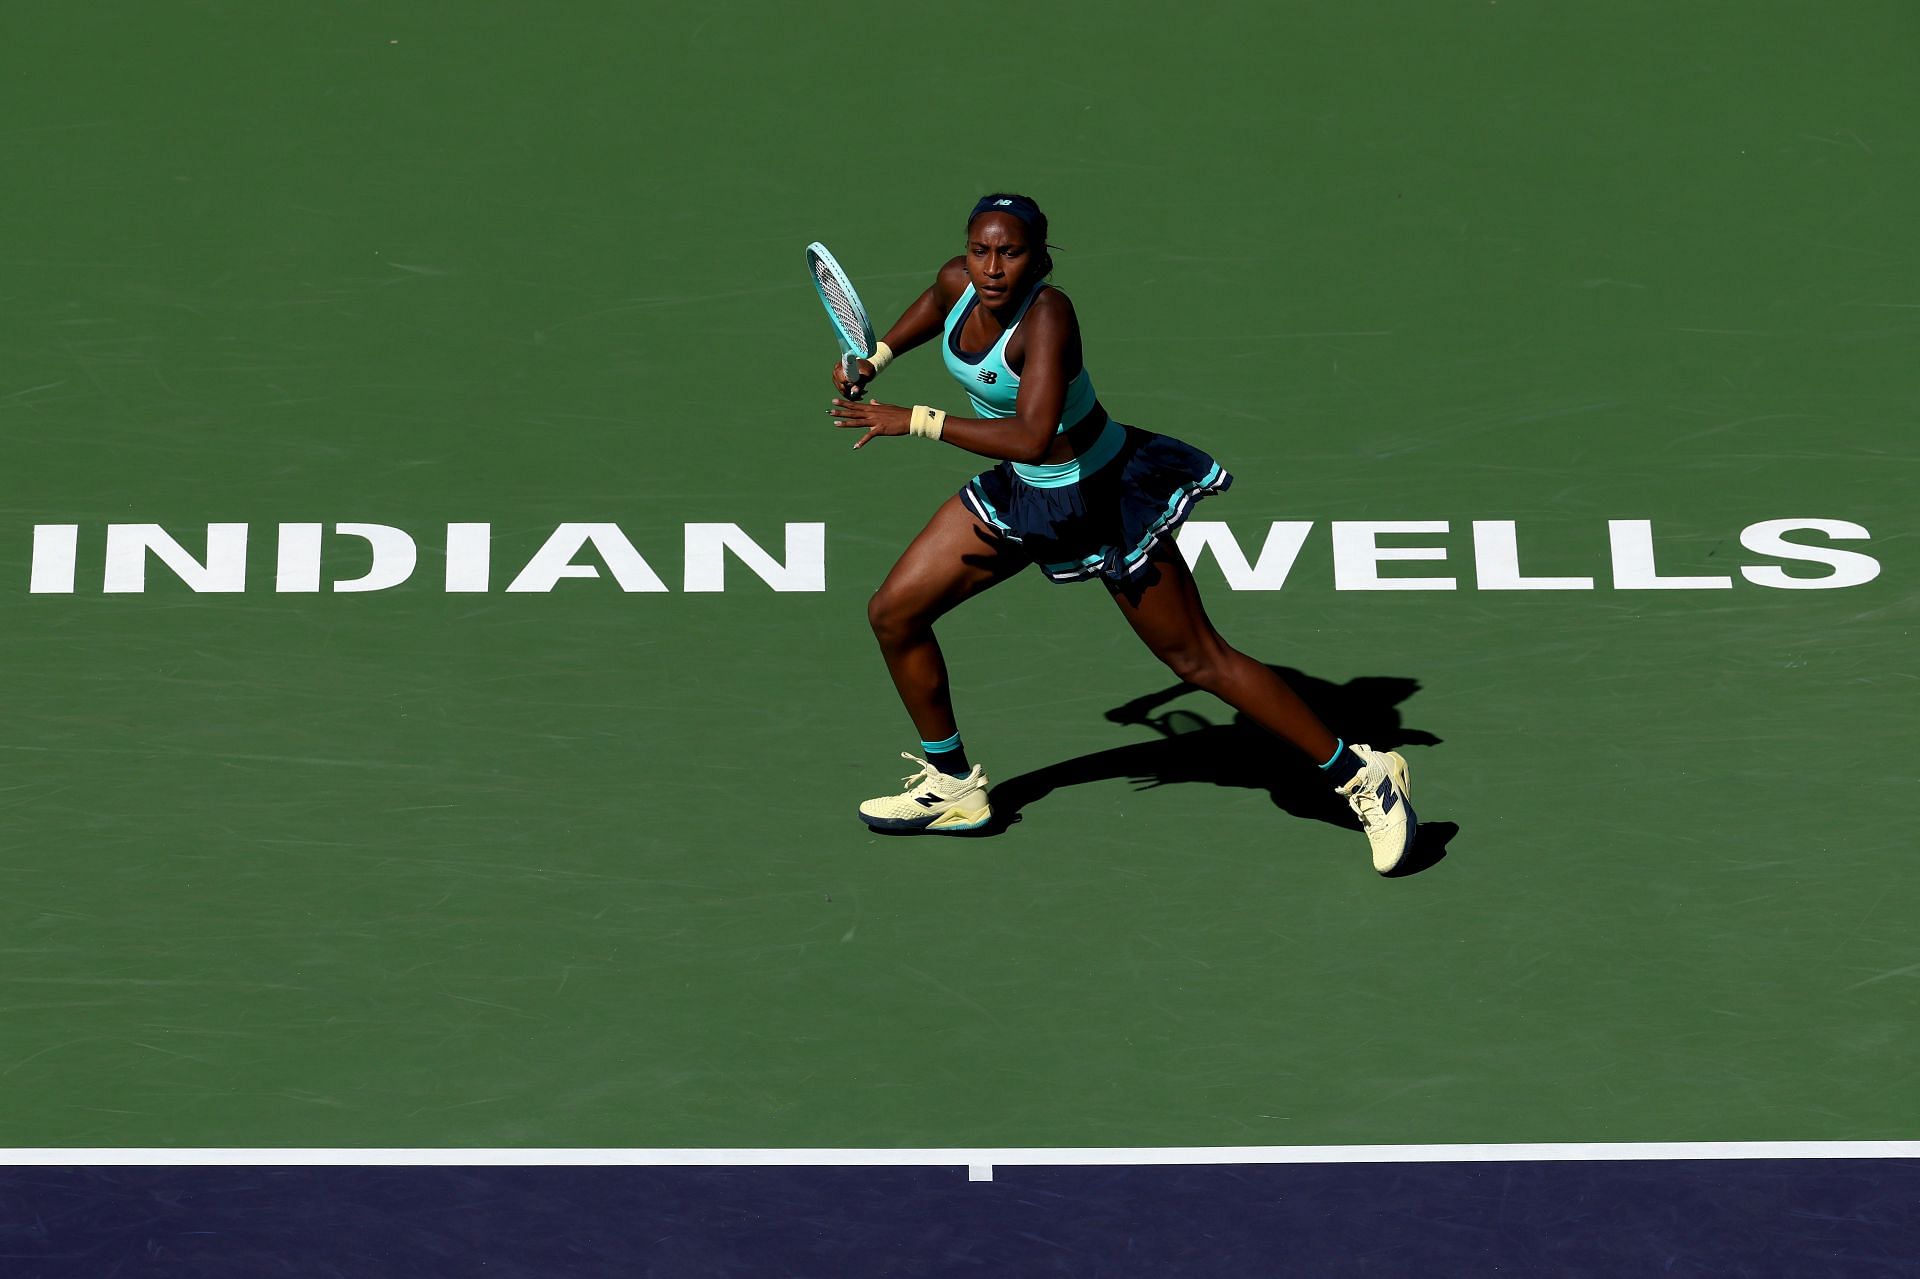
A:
x: 989, y: 376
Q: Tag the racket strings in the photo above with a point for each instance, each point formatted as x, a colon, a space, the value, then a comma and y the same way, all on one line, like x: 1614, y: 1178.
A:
x: 843, y: 307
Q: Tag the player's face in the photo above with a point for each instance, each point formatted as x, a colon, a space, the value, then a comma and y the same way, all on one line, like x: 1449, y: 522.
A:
x: 1000, y: 258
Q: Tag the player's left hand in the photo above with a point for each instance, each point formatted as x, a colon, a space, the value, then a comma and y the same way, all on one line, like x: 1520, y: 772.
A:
x: 873, y: 417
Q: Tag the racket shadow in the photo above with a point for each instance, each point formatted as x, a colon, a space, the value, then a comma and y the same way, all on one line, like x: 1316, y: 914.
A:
x: 1188, y: 747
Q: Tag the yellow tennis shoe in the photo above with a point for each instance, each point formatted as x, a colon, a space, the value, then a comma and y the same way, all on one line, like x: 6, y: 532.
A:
x: 934, y: 803
x: 1378, y: 796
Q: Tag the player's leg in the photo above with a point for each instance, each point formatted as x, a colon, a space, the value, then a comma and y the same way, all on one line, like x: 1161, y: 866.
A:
x: 1162, y: 604
x: 954, y: 558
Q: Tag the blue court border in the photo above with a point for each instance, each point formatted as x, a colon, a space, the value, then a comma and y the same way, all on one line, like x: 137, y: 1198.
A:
x: 1488, y: 1210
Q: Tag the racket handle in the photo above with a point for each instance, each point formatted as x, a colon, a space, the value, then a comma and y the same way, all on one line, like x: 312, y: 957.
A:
x: 850, y: 370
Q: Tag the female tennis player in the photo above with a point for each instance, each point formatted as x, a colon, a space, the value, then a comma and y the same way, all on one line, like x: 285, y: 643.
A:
x: 1075, y: 492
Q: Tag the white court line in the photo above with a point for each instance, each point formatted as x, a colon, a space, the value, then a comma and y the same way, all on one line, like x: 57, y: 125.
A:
x: 979, y: 1162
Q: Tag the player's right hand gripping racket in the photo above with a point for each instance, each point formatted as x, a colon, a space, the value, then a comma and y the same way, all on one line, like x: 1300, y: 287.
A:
x: 844, y: 309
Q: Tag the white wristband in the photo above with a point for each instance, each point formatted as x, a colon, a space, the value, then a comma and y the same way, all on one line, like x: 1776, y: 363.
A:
x: 927, y: 422
x: 881, y: 357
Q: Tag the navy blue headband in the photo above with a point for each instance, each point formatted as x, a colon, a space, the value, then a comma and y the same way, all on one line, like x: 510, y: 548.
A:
x: 1018, y: 205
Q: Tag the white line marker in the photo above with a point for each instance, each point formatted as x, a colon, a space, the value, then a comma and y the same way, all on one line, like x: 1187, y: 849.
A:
x: 976, y: 1161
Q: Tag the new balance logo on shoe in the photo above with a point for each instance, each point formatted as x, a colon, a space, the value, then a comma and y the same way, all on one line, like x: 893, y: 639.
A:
x: 1388, y: 796
x: 929, y: 799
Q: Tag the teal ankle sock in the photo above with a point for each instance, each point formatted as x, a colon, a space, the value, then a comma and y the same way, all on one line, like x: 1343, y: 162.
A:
x: 950, y: 756
x: 1342, y: 764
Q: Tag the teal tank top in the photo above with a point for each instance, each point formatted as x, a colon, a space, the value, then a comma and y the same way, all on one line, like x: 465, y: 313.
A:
x: 990, y: 384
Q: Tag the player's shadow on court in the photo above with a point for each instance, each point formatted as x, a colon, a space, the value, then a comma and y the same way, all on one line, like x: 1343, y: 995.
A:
x: 1190, y: 747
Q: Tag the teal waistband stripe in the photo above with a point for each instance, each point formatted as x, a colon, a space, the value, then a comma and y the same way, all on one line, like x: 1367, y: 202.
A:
x: 1057, y: 475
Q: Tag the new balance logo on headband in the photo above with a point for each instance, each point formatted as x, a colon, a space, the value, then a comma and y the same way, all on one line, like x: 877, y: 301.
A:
x: 989, y: 376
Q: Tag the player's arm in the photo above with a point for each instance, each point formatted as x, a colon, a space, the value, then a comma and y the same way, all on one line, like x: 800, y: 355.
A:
x: 926, y: 319
x: 1050, y: 331
x: 922, y: 321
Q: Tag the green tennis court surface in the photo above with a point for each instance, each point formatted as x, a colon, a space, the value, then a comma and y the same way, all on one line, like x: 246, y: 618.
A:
x: 576, y: 863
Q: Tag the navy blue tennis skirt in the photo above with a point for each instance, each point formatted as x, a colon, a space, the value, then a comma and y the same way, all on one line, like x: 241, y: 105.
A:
x: 1105, y: 524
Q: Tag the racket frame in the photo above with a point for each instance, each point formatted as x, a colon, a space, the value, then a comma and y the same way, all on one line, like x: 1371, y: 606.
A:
x: 856, y: 339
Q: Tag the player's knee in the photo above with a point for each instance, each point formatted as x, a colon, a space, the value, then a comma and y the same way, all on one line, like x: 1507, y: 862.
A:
x: 892, y: 618
x: 1201, y: 665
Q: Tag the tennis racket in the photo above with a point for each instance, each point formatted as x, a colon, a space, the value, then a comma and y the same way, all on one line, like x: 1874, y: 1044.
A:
x: 843, y: 308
